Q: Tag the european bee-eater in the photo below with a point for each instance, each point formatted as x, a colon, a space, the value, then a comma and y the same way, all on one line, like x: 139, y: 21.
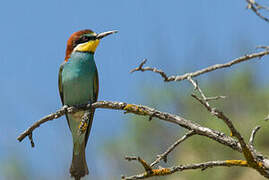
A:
x: 78, y: 84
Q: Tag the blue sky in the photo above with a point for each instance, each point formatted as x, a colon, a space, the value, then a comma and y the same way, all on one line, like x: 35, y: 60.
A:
x: 168, y: 33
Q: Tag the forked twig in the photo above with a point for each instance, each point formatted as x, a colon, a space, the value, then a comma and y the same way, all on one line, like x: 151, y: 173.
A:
x: 171, y: 148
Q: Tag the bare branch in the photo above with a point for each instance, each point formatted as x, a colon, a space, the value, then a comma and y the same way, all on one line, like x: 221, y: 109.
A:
x: 255, y: 7
x: 196, y: 87
x: 145, y: 111
x: 49, y: 117
x: 215, y: 98
x: 140, y: 68
x: 30, y: 136
x: 146, y: 166
x: 202, y: 71
x: 171, y: 148
x: 247, y: 151
x: 204, y: 101
x: 202, y: 166
x: 263, y: 47
x: 252, y: 136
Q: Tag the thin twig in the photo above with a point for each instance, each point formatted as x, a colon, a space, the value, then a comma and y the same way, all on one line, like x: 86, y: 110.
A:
x: 49, y: 117
x: 196, y: 87
x: 255, y: 7
x: 263, y: 47
x: 171, y: 148
x: 215, y: 98
x: 30, y: 136
x: 257, y: 154
x: 202, y: 71
x: 202, y: 166
x: 141, y: 68
x: 252, y: 136
x: 146, y: 166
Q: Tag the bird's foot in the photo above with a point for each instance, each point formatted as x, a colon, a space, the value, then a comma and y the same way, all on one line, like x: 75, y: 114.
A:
x: 81, y: 106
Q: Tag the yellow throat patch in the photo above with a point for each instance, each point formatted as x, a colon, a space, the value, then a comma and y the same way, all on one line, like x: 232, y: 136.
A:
x: 89, y: 46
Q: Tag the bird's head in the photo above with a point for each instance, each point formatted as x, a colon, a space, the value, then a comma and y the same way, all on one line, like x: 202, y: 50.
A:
x: 84, y: 41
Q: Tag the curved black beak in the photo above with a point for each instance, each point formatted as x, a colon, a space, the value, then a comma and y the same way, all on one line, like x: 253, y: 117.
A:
x: 104, y: 34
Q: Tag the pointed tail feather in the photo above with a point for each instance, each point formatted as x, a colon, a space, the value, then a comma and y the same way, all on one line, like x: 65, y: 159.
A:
x: 79, y: 166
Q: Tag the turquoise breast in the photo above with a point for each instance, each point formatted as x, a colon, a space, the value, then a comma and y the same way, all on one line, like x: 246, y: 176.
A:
x: 78, y: 77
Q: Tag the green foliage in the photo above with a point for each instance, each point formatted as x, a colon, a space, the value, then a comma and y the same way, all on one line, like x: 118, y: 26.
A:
x: 12, y: 168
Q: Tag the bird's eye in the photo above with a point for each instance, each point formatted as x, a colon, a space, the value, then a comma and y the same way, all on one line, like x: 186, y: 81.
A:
x: 84, y: 39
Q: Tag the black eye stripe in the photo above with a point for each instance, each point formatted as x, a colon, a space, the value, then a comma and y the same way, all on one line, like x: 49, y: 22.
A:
x: 90, y: 37
x: 84, y: 39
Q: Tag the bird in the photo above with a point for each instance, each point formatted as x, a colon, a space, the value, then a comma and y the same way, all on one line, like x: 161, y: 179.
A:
x: 78, y: 84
